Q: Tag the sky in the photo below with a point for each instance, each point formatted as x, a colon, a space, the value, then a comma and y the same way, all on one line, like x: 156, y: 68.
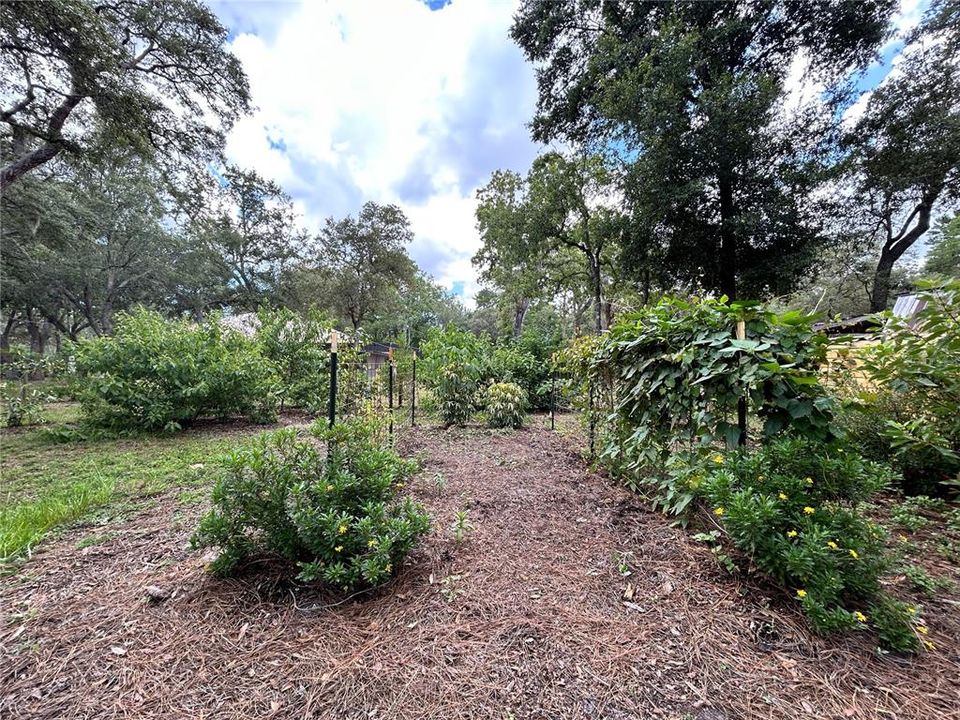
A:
x: 414, y: 102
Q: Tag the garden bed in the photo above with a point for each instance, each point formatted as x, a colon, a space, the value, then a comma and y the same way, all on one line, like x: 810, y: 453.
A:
x: 568, y: 599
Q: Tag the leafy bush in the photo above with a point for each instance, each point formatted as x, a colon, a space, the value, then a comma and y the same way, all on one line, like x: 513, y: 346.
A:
x: 337, y: 518
x: 297, y: 345
x: 155, y: 373
x: 793, y: 508
x: 906, y: 410
x: 506, y: 405
x: 454, y: 363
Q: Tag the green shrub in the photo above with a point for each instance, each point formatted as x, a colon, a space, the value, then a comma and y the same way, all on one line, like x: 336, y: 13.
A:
x: 793, y: 509
x: 337, y: 518
x: 505, y: 405
x: 455, y: 390
x: 454, y: 363
x: 155, y: 373
x: 297, y: 345
x: 906, y: 411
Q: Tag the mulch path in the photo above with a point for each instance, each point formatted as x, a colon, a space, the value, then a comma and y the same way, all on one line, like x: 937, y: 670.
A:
x: 526, y: 618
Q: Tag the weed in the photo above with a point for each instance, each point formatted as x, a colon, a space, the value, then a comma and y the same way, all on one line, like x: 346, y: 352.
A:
x: 461, y: 526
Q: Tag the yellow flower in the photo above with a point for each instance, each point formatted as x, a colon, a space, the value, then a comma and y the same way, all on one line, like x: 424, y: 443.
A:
x: 399, y: 484
x: 912, y: 610
x: 801, y: 594
x: 854, y: 554
x: 719, y: 511
x: 809, y: 510
x: 782, y: 496
x: 389, y: 567
x: 329, y: 488
x: 718, y: 458
x: 760, y: 477
x: 809, y: 481
x: 342, y: 529
x: 929, y: 645
x: 902, y: 538
x: 832, y: 545
x: 791, y: 533
x: 339, y: 548
x: 922, y: 629
x: 371, y: 543
x: 859, y: 616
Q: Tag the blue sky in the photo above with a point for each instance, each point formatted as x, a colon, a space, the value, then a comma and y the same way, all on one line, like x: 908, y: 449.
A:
x: 414, y: 102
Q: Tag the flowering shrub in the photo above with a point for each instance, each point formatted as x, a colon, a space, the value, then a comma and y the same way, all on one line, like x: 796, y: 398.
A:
x: 154, y: 373
x: 506, y: 405
x: 793, y: 509
x: 337, y: 518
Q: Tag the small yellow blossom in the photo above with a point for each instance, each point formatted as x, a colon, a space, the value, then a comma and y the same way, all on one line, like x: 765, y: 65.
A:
x: 400, y: 484
x: 718, y: 458
x: 809, y: 510
x: 791, y: 533
x: 902, y: 538
x: 760, y: 477
x: 859, y: 616
x: 329, y: 488
x: 854, y: 554
x: 912, y: 610
x: 339, y: 548
x: 809, y: 481
x: 342, y: 529
x: 371, y: 543
x: 922, y: 629
x: 801, y: 594
x: 719, y: 511
x: 389, y: 567
x: 832, y: 545
x: 929, y: 645
x: 782, y: 496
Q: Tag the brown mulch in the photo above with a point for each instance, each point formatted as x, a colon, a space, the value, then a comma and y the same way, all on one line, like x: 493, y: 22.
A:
x: 527, y: 618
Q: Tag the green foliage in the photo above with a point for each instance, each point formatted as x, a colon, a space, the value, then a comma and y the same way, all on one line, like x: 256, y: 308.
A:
x: 793, y: 508
x: 461, y: 526
x: 907, y: 408
x: 297, y: 345
x: 338, y: 517
x: 679, y: 371
x: 454, y: 363
x: 505, y: 405
x: 156, y: 374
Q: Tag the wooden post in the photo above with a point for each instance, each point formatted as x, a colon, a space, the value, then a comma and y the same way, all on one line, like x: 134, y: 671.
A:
x: 742, y: 402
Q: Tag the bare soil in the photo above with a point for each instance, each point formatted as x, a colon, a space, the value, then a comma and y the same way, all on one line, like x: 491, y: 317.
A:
x: 531, y: 616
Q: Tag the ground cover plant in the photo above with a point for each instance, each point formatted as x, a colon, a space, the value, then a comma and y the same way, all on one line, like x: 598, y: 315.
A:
x: 160, y: 374
x: 336, y: 516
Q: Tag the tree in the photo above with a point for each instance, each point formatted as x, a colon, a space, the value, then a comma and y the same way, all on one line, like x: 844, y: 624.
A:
x: 254, y: 234
x: 367, y: 260
x: 154, y: 73
x: 692, y: 94
x: 943, y: 257
x: 906, y: 147
x: 510, y: 258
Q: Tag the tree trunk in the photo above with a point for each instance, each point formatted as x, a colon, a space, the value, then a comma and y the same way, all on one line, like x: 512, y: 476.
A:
x: 597, y: 288
x: 520, y: 309
x: 880, y: 294
x: 52, y: 147
x: 896, y: 246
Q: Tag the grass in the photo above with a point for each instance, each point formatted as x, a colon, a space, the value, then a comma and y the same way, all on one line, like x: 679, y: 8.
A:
x: 48, y: 483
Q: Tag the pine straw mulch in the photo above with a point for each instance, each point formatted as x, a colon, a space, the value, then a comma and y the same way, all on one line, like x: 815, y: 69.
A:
x: 525, y: 619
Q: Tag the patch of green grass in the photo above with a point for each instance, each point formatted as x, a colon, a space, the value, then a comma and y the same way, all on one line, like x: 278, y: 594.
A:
x: 23, y: 524
x: 48, y: 483
x: 193, y: 497
x: 92, y: 540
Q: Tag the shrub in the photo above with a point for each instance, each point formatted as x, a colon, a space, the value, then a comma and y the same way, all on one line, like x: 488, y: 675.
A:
x: 338, y: 517
x: 455, y: 389
x: 506, y: 405
x: 155, y: 373
x: 454, y: 363
x: 907, y: 409
x: 297, y: 345
x: 793, y: 509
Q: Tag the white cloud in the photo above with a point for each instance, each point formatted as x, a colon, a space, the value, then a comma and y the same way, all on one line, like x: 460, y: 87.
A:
x: 390, y: 102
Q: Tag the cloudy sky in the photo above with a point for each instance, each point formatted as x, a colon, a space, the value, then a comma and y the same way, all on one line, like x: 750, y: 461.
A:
x: 414, y: 102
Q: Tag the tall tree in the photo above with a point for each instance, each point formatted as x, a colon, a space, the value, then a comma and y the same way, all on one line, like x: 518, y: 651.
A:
x: 367, y: 260
x: 510, y: 258
x: 693, y: 95
x: 906, y: 147
x: 943, y: 258
x: 255, y: 234
x: 155, y: 73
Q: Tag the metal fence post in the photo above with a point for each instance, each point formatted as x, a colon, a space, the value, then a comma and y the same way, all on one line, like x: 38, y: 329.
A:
x: 413, y: 393
x: 593, y: 420
x: 332, y: 409
x: 742, y: 402
x: 553, y: 402
x: 390, y: 390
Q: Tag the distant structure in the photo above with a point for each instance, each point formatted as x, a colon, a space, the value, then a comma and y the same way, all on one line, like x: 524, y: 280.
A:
x: 905, y: 307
